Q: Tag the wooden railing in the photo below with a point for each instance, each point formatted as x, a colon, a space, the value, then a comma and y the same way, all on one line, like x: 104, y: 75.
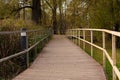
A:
x: 76, y: 34
x: 43, y: 36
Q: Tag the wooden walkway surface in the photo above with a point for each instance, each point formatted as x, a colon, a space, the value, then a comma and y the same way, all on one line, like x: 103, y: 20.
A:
x: 62, y: 60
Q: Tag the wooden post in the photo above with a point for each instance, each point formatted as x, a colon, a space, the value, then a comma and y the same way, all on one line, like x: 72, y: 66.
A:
x: 24, y: 45
x: 50, y: 33
x: 91, y: 32
x: 35, y: 40
x: 114, y: 54
x: 84, y: 39
x: 72, y: 35
x: 47, y: 33
x: 104, y: 56
x: 79, y: 37
x: 69, y: 32
x: 40, y: 35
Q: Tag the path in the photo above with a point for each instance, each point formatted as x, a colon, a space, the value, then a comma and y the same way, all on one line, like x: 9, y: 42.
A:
x: 63, y: 60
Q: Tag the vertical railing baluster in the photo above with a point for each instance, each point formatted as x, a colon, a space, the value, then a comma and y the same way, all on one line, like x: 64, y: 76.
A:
x: 68, y: 33
x: 74, y: 36
x: 79, y: 37
x: 104, y: 57
x: 35, y: 40
x: 114, y: 54
x: 84, y: 39
x: 91, y: 32
x: 71, y: 34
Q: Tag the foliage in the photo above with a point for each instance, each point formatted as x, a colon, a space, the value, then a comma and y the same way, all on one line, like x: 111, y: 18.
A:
x: 94, y: 13
x: 61, y: 14
x: 11, y: 44
x: 6, y: 8
x: 17, y: 24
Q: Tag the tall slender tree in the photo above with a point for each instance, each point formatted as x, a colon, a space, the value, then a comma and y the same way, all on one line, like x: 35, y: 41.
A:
x: 54, y: 17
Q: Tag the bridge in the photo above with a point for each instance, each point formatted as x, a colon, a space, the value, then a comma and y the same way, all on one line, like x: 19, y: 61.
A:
x: 61, y: 59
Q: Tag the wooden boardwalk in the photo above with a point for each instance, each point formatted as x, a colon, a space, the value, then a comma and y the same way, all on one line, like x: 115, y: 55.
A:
x: 62, y: 60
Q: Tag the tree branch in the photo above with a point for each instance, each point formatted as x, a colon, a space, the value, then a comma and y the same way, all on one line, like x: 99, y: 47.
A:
x: 16, y: 10
x: 49, y: 5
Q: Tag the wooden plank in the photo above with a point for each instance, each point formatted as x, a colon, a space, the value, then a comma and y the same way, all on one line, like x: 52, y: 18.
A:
x: 63, y: 60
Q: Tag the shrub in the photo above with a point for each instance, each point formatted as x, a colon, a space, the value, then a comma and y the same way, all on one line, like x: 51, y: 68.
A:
x: 10, y: 44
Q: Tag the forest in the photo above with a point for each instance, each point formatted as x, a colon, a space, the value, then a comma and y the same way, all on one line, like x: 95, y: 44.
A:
x: 63, y: 14
x: 60, y: 15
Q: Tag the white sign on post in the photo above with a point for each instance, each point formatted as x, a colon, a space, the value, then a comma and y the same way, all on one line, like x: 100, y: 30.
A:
x: 23, y: 33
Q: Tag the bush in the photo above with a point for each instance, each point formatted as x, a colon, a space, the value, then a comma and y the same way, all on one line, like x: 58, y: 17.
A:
x: 17, y: 24
x: 10, y: 44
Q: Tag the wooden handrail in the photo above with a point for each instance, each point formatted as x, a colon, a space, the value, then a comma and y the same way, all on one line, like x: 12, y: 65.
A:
x: 13, y: 32
x: 26, y: 50
x: 116, y: 72
x: 101, y: 30
x: 22, y: 52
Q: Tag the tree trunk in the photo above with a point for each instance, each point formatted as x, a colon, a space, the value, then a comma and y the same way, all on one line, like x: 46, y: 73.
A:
x: 36, y: 11
x: 54, y: 17
x: 60, y: 19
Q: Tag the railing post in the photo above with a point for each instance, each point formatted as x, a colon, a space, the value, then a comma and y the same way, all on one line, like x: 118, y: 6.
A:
x: 104, y: 57
x: 50, y: 32
x: 91, y: 32
x: 84, y: 39
x: 79, y: 37
x: 69, y: 33
x: 24, y: 45
x: 72, y: 36
x: 75, y: 34
x: 35, y: 40
x: 114, y: 54
x: 47, y: 35
x: 41, y: 45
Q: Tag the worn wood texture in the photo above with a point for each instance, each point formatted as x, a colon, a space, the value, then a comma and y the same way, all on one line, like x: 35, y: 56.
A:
x: 63, y: 60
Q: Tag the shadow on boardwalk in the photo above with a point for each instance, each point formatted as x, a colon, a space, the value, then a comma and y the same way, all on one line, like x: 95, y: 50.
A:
x: 62, y: 60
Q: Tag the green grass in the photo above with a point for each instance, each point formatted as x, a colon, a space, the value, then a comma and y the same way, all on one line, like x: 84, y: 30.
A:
x: 98, y: 56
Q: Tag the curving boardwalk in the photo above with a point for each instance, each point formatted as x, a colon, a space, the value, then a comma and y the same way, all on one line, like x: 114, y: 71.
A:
x: 62, y: 60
